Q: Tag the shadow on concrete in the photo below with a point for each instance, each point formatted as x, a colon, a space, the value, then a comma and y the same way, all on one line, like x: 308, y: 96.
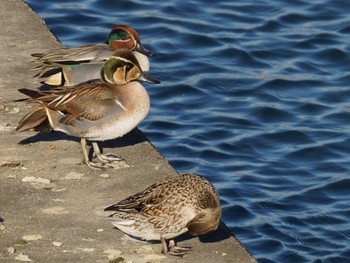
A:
x: 133, y: 137
x: 44, y: 136
x: 220, y: 234
x: 1, y: 220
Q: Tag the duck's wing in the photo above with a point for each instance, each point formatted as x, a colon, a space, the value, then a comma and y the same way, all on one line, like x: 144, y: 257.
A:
x: 90, y: 101
x: 74, y: 55
x: 151, y: 196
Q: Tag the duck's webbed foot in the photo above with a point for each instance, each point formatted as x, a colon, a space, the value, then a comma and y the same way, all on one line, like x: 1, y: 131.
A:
x: 105, y: 158
x: 174, y: 250
x: 91, y: 164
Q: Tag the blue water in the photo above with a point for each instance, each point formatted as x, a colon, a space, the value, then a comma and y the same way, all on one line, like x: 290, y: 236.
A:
x: 255, y: 96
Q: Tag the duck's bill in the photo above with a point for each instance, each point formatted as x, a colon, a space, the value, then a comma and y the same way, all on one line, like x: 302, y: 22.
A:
x: 147, y: 78
x: 140, y: 48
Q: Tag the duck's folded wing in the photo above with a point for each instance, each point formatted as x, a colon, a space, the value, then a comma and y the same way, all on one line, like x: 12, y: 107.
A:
x: 88, y: 104
x: 151, y: 196
x: 75, y: 55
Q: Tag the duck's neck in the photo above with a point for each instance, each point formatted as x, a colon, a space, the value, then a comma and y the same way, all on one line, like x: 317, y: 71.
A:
x: 134, y: 98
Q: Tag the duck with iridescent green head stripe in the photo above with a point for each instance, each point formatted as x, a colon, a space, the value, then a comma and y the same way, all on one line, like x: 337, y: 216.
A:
x: 96, y: 110
x: 71, y: 66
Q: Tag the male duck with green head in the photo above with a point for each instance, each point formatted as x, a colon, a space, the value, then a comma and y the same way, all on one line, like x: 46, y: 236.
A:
x: 71, y: 66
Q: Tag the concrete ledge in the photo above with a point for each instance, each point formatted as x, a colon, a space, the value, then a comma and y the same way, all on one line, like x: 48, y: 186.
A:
x: 51, y: 206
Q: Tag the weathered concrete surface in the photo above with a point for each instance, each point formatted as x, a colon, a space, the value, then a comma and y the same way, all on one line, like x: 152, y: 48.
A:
x: 51, y: 206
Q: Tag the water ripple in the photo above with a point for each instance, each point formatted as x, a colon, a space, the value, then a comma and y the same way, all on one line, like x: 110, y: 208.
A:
x: 254, y: 96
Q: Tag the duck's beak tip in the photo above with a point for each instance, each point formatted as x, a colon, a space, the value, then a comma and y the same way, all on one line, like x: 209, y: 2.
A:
x: 149, y: 79
x: 140, y: 48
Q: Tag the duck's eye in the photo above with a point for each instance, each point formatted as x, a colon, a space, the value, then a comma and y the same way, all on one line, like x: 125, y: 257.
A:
x: 128, y: 66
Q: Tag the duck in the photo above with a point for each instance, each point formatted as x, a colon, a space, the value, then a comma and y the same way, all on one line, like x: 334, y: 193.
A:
x: 71, y: 66
x: 167, y: 209
x: 95, y: 110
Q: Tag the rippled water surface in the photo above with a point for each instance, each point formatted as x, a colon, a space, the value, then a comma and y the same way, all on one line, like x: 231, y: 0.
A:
x: 254, y: 96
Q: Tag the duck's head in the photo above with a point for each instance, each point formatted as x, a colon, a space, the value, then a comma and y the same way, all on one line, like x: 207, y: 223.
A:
x: 123, y: 36
x: 122, y: 67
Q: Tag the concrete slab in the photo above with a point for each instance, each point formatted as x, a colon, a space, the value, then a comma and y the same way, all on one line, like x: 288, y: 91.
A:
x: 51, y: 206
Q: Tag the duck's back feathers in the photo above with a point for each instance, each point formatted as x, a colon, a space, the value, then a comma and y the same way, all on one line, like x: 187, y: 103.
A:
x: 170, y: 208
x: 74, y: 55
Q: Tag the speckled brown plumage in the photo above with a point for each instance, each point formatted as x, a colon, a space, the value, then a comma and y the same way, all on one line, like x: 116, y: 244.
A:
x: 168, y: 209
